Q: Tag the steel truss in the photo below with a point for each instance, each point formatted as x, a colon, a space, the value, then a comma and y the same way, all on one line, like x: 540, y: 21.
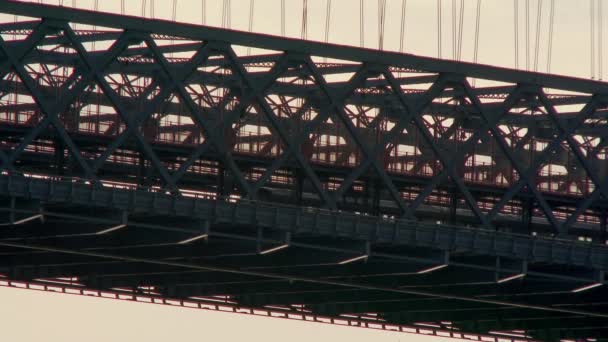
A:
x: 374, y: 155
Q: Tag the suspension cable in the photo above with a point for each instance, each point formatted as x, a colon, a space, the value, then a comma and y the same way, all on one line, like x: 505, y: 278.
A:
x: 477, y: 25
x: 527, y: 34
x: 327, y: 20
x: 477, y: 22
x: 96, y: 8
x: 439, y: 28
x: 460, y: 29
x: 305, y: 19
x: 226, y: 11
x: 402, y: 35
x: 592, y: 32
x: 229, y: 14
x: 251, y: 7
x: 550, y: 47
x: 282, y: 18
x: 538, y: 25
x: 173, y: 16
x: 143, y: 7
x: 122, y: 6
x: 361, y: 24
x: 516, y: 31
x: 204, y: 12
x: 74, y: 6
x: 152, y: 7
x: 174, y: 10
x: 251, y: 12
x: 381, y: 21
x: 454, y: 29
x: 600, y: 38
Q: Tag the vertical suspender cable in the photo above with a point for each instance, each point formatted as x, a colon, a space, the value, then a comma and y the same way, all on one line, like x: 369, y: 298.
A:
x: 251, y: 12
x: 327, y: 23
x: 122, y: 7
x: 381, y: 20
x: 152, y: 7
x: 592, y: 31
x: 229, y: 14
x: 550, y: 47
x: 282, y: 17
x: 74, y: 6
x: 516, y: 31
x: 600, y: 37
x: 305, y: 19
x: 454, y: 29
x: 173, y: 17
x: 204, y: 12
x: 477, y: 25
x: 477, y: 22
x: 460, y: 29
x: 251, y: 7
x: 539, y: 18
x: 402, y: 35
x: 361, y: 24
x: 96, y: 8
x: 327, y: 20
x: 527, y: 34
x: 143, y: 7
x: 439, y: 28
x: 224, y: 13
x: 173, y: 11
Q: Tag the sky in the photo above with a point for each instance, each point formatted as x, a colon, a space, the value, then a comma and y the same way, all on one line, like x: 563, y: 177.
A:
x: 29, y: 315
x: 571, y: 43
x: 36, y: 316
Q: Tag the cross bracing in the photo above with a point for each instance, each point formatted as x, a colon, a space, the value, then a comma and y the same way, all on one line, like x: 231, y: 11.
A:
x: 392, y: 159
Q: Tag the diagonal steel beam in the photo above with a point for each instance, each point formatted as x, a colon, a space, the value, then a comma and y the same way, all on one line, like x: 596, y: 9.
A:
x: 261, y: 101
x: 352, y: 84
x: 411, y: 109
x: 525, y: 176
x: 337, y: 105
x: 51, y: 110
x: 211, y: 134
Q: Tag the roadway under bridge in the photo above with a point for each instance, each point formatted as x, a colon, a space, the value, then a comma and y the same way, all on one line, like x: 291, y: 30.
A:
x: 147, y: 156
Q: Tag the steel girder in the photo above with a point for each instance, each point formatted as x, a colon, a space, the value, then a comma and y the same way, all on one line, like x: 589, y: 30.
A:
x: 506, y: 155
x: 384, y: 147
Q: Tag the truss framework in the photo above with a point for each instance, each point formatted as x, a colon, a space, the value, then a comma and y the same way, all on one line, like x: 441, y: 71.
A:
x: 375, y: 139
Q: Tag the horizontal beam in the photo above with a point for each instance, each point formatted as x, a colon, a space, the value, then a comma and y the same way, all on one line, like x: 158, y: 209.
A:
x: 316, y: 221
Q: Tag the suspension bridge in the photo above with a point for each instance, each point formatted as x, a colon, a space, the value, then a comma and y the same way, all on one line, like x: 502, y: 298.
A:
x: 183, y: 164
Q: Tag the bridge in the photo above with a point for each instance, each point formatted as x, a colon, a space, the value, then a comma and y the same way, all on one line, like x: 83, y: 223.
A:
x: 149, y: 159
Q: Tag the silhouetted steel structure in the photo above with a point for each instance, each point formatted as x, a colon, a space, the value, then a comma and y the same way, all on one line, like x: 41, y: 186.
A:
x: 150, y: 156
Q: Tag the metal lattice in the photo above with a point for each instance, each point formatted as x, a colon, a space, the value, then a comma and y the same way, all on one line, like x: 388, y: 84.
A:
x: 179, y: 111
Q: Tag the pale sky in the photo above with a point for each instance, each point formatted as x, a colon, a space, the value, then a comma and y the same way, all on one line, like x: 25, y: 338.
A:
x: 35, y: 316
x: 29, y: 315
x: 571, y: 37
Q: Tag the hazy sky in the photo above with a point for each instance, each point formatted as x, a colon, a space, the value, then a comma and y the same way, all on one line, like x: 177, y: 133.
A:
x: 571, y: 52
x: 571, y: 37
x: 28, y: 315
x: 35, y: 316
